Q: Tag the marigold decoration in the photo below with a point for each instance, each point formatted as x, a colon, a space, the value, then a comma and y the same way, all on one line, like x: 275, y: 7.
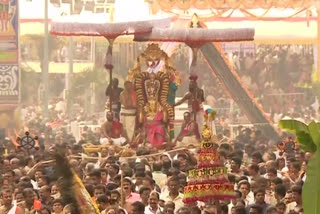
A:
x: 209, y: 180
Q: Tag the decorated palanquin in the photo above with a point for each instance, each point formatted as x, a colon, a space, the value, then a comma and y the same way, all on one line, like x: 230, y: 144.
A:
x: 155, y: 81
x: 209, y: 180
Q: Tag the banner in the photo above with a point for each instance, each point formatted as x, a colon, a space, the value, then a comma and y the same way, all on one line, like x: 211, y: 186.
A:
x: 9, y: 52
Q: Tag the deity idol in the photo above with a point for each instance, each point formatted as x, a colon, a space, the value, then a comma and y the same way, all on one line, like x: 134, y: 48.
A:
x: 155, y: 82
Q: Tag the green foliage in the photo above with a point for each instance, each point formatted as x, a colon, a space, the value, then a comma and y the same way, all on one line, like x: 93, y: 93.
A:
x: 54, y: 43
x: 81, y: 82
x: 308, y: 137
x: 30, y: 81
x: 302, y: 131
x: 311, y: 187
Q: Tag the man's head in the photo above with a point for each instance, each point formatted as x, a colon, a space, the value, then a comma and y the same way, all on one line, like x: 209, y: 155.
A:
x: 296, y: 167
x: 288, y: 198
x: 109, y: 116
x: 45, y: 192
x: 187, y: 116
x: 157, y: 166
x: 235, y: 164
x: 128, y: 86
x: 43, y: 180
x: 169, y: 207
x: 256, y: 158
x: 95, y: 177
x: 127, y: 185
x: 193, y: 83
x: 115, y: 197
x: 9, y: 175
x: 6, y: 195
x: 281, y: 207
x: 137, y: 207
x: 99, y: 190
x: 274, y: 182
x: 253, y: 169
x: 18, y: 196
x: 154, y: 200
x: 272, y: 173
x: 115, y: 83
x: 280, y: 191
x: 38, y: 174
x: 14, y: 162
x: 104, y: 175
x: 173, y: 185
x: 255, y: 209
x: 29, y: 196
x: 244, y: 188
x: 259, y: 196
x: 57, y: 205
x: 148, y: 182
x: 144, y: 194
x: 113, y: 169
x: 102, y: 201
x: 271, y: 164
x: 296, y: 193
x: 183, y: 210
x: 182, y: 159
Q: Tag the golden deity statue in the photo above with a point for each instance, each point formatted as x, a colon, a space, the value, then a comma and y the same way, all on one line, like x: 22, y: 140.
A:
x: 152, y: 86
x: 155, y: 82
x: 152, y: 108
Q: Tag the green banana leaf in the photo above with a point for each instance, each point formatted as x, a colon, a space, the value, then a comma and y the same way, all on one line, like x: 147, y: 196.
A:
x: 308, y: 137
x: 306, y: 143
x: 303, y: 132
x: 311, y: 187
x: 293, y: 126
x: 314, y: 130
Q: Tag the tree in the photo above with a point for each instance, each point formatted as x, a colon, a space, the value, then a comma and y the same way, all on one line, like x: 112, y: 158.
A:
x: 30, y: 81
x: 55, y: 43
x: 81, y: 82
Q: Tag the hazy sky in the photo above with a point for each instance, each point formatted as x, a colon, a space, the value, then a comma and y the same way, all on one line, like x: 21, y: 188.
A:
x: 124, y: 9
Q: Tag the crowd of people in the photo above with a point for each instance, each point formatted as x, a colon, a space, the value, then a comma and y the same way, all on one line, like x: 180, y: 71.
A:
x: 278, y: 77
x: 267, y: 179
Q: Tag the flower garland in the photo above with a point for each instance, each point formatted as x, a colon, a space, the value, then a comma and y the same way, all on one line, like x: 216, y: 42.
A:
x: 205, y: 192
x: 205, y: 172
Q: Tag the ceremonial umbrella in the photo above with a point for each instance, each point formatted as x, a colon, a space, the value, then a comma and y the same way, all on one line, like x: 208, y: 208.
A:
x: 100, y: 25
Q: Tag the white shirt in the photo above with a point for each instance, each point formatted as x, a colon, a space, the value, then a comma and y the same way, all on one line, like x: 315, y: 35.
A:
x: 149, y: 210
x: 177, y: 201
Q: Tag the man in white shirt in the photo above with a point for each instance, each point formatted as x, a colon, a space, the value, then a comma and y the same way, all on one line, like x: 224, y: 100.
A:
x: 153, y: 206
x: 159, y: 177
x: 173, y: 194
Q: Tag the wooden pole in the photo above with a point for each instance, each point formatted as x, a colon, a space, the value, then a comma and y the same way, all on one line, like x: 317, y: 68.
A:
x: 122, y: 195
x: 109, y: 67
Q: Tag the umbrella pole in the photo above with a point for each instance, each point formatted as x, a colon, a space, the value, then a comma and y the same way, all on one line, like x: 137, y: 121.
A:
x: 109, y: 67
x: 123, y: 197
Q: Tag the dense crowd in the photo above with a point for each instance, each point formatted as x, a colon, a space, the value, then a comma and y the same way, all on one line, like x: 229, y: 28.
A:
x: 267, y: 179
x: 277, y: 76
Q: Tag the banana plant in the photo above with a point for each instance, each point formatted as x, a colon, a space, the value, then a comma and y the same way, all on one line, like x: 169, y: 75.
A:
x: 308, y: 137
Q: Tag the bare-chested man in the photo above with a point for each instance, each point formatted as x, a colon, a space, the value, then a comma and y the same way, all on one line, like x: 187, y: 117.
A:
x: 7, y: 203
x: 113, y: 93
x: 189, y: 135
x: 195, y: 98
x: 112, y: 131
x: 128, y: 101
